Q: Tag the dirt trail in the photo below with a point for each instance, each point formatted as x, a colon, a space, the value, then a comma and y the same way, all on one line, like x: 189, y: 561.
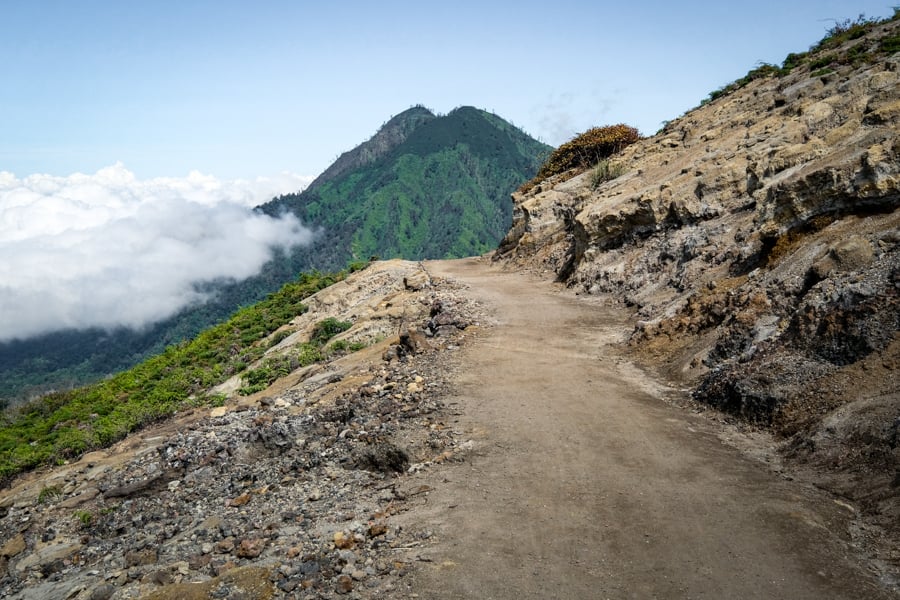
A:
x: 585, y: 484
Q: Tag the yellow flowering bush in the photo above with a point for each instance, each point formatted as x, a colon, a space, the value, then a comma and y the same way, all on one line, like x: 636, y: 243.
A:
x: 586, y: 150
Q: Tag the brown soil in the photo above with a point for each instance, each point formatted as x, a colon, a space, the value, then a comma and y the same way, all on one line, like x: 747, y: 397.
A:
x: 586, y: 483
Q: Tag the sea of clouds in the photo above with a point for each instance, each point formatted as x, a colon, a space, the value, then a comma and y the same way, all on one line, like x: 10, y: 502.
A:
x: 111, y: 250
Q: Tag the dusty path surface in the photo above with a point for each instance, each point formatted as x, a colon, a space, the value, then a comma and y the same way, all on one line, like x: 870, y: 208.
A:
x: 585, y: 484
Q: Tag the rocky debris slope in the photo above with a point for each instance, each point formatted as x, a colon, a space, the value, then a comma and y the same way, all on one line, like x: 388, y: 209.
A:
x: 756, y: 238
x: 289, y: 492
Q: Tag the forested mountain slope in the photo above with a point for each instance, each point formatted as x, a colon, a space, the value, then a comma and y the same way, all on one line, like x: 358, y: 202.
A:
x: 437, y: 194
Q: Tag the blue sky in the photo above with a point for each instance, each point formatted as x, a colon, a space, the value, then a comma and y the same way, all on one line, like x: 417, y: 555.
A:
x: 244, y: 89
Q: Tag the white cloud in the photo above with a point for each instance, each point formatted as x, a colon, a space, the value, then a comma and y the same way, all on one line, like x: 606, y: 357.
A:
x: 562, y: 116
x: 111, y: 250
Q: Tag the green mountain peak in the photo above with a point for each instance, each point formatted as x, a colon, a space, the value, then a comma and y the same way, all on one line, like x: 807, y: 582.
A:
x: 393, y: 133
x: 424, y: 186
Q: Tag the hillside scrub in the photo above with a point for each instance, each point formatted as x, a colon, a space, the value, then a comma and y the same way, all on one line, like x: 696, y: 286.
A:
x: 605, y: 171
x: 585, y: 151
x: 261, y: 377
x: 63, y: 425
x: 826, y: 53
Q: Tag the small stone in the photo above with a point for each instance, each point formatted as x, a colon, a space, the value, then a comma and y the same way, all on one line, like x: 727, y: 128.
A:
x: 251, y: 548
x: 343, y: 541
x: 199, y: 561
x: 102, y: 592
x: 13, y: 547
x: 416, y: 281
x: 442, y: 457
x: 87, y: 494
x: 224, y: 568
x: 240, y: 500
x: 161, y: 577
x: 315, y: 495
x: 140, y: 558
x: 344, y: 584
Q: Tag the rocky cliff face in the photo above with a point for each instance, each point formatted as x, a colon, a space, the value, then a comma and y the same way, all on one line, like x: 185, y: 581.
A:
x: 757, y: 239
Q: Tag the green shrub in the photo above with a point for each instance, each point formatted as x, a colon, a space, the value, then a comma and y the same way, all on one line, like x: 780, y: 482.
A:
x: 359, y: 265
x: 279, y: 337
x: 217, y: 399
x: 84, y: 517
x: 792, y: 61
x: 821, y: 72
x: 890, y: 44
x: 763, y: 70
x: 49, y: 493
x: 327, y: 329
x: 338, y: 346
x: 258, y: 379
x: 846, y: 30
x: 307, y: 354
x: 822, y: 61
x: 605, y: 171
x: 585, y: 150
x: 345, y: 346
x: 303, y: 355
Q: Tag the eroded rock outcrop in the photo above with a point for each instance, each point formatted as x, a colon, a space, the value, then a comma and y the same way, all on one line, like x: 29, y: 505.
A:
x: 757, y: 239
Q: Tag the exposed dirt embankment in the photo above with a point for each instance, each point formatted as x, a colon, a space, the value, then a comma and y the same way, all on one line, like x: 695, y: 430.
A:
x: 757, y: 239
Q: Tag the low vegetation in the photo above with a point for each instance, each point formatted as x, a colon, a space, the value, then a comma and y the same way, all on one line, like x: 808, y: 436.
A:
x: 830, y: 52
x: 605, y: 171
x: 49, y: 494
x: 585, y: 151
x: 301, y: 355
x: 63, y: 425
x: 85, y: 518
